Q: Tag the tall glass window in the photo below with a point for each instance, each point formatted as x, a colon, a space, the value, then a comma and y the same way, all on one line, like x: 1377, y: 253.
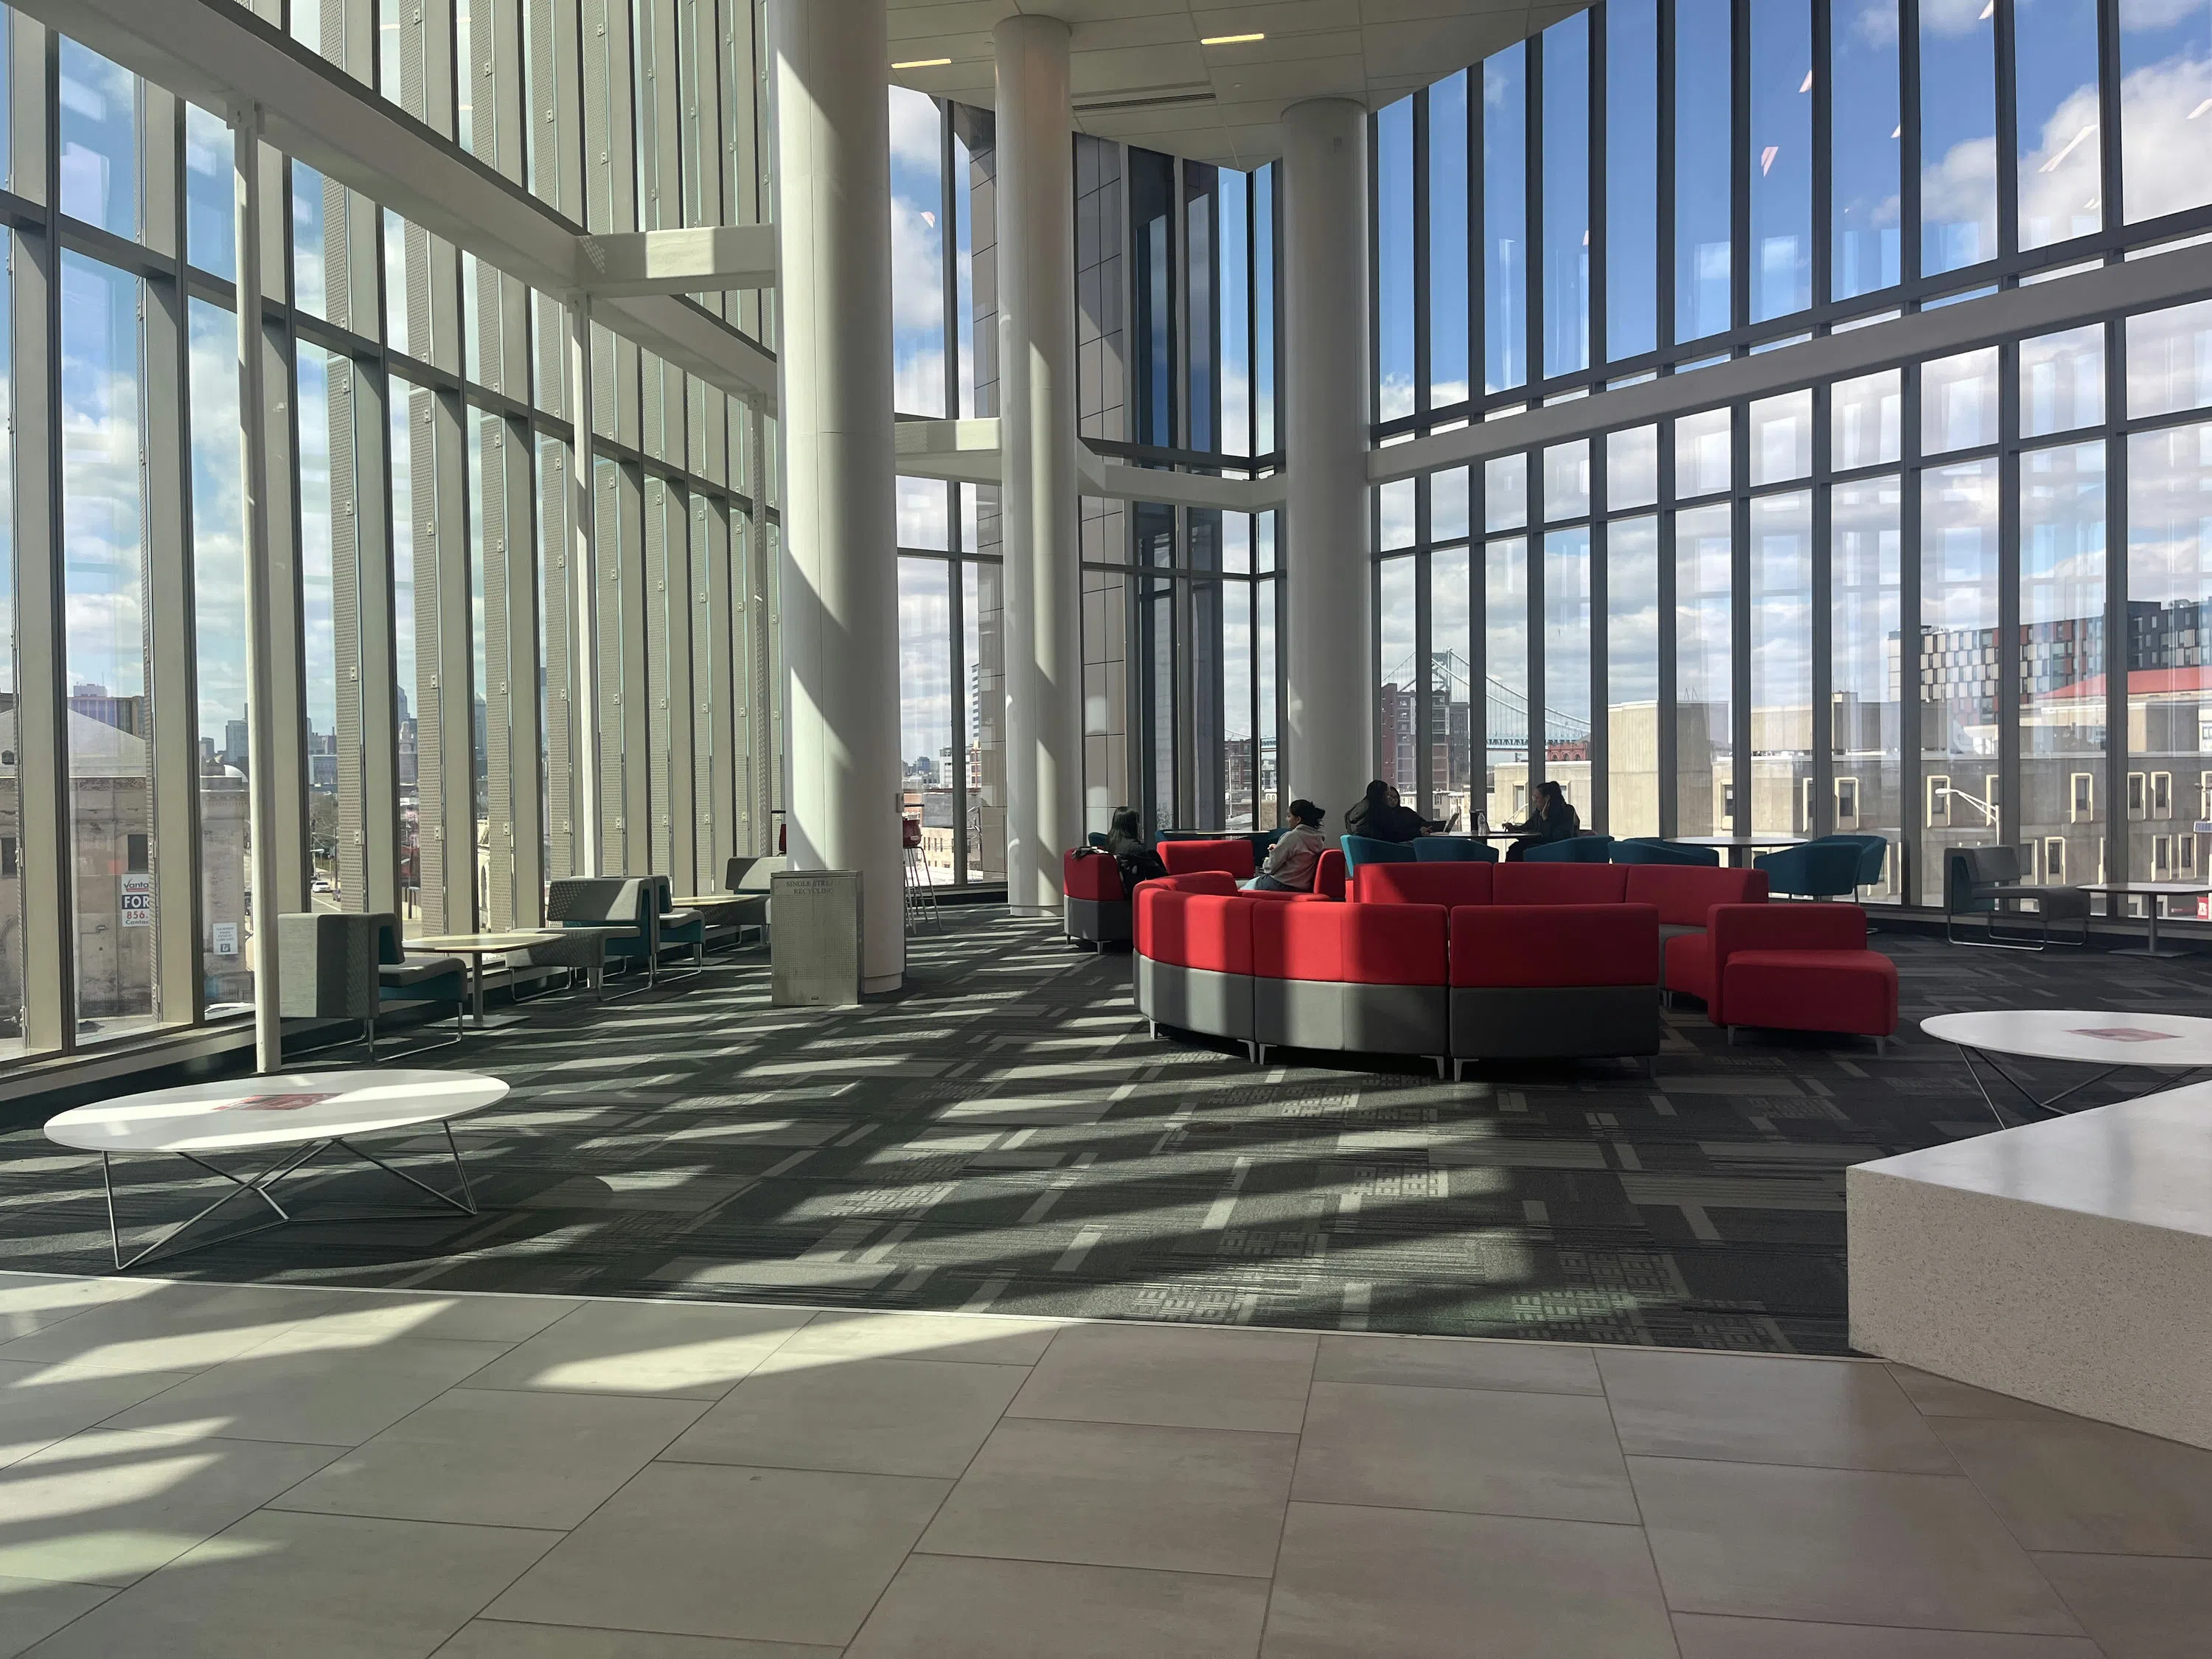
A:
x: 2169, y: 597
x: 1567, y: 663
x: 1505, y: 673
x: 1958, y: 666
x: 1865, y: 135
x: 1452, y: 779
x: 2062, y: 659
x: 2165, y: 83
x: 115, y: 891
x: 1632, y: 655
x: 1781, y: 663
x: 1448, y: 241
x: 319, y: 642
x: 1631, y: 177
x: 1704, y: 778
x: 1958, y: 136
x: 1505, y: 218
x: 2060, y: 151
x: 1566, y: 195
x: 926, y: 758
x: 1704, y: 139
x: 1780, y: 158
x: 918, y: 240
x: 1398, y: 679
x: 1865, y: 549
x: 1394, y: 259
x: 99, y: 125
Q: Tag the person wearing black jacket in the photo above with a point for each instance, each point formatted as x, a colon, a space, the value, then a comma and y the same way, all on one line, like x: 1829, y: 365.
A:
x: 1379, y: 816
x: 1125, y: 845
x: 1551, y: 819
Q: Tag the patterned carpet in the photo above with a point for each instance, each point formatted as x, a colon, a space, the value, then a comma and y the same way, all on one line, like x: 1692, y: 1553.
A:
x: 1006, y: 1135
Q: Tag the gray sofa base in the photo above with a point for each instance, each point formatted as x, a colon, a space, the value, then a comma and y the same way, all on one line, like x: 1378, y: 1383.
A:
x: 1375, y: 1019
x: 1195, y: 998
x: 1585, y: 1022
x: 1098, y: 921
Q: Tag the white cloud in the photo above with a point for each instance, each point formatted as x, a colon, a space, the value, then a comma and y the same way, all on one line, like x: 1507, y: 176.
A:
x: 2166, y: 152
x: 915, y: 133
x: 1960, y: 189
x: 2140, y: 16
x: 1954, y: 16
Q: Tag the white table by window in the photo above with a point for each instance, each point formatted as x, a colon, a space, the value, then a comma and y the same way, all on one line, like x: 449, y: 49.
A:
x: 2156, y: 893
x: 2111, y: 1042
x: 1738, y: 847
x: 301, y: 1114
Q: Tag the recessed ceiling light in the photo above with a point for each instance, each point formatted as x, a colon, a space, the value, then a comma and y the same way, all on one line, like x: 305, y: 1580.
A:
x: 923, y: 62
x: 1231, y: 39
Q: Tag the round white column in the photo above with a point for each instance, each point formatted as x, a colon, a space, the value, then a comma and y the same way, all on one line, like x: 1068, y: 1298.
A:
x: 1036, y: 154
x: 1329, y: 627
x: 840, y: 598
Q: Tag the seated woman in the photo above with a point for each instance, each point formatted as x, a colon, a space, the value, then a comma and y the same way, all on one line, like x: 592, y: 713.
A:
x: 1550, y: 818
x: 1126, y: 847
x: 1290, y: 866
x: 1380, y: 815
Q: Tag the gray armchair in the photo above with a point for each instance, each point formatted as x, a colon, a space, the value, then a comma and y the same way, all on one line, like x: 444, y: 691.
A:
x: 352, y: 965
x: 1985, y: 881
x: 748, y: 877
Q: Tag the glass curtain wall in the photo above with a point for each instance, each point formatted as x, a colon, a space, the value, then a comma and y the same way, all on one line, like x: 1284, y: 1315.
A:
x: 1951, y: 602
x: 1176, y: 300
x: 418, y: 446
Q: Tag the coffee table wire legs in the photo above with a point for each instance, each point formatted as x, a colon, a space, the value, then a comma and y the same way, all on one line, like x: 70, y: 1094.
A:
x: 2048, y: 1105
x: 258, y: 1185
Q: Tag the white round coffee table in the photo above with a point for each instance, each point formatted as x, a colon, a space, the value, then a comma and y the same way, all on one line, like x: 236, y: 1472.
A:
x: 2111, y: 1042
x: 303, y: 1112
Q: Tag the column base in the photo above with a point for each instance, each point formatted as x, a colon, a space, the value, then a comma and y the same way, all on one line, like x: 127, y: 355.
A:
x: 870, y: 986
x: 1034, y: 912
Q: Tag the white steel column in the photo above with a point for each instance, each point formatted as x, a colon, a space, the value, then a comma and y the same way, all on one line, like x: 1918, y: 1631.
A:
x: 262, y: 731
x: 840, y: 598
x: 1036, y: 151
x: 1330, y: 626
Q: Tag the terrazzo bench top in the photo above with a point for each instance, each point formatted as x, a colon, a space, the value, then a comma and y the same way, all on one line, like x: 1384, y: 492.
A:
x: 2147, y: 1161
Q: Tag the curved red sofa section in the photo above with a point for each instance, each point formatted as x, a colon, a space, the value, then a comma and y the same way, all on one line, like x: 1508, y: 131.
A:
x: 1093, y: 906
x: 1465, y: 961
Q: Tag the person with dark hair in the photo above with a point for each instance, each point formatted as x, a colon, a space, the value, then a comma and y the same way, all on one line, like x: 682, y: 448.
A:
x: 1291, y: 864
x: 1551, y: 819
x: 1126, y: 847
x: 1380, y: 815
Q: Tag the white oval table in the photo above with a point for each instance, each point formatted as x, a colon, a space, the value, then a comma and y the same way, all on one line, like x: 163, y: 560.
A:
x: 2082, y: 1037
x: 304, y: 1113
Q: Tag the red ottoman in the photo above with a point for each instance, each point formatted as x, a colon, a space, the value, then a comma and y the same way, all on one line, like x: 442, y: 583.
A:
x: 1853, y: 992
x: 1799, y: 968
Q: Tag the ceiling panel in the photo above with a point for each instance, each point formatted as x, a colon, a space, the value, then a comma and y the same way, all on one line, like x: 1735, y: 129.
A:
x: 1140, y: 73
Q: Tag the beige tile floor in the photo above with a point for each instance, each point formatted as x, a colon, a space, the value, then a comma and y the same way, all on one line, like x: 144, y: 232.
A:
x: 199, y: 1470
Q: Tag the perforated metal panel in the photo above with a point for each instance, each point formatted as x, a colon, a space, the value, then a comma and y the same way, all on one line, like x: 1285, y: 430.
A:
x: 556, y: 609
x: 660, y: 735
x: 491, y: 507
x: 606, y: 505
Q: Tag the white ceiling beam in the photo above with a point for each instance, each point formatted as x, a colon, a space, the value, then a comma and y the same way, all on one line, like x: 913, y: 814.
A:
x: 707, y: 258
x: 2145, y: 284
x: 222, y: 57
x: 968, y: 451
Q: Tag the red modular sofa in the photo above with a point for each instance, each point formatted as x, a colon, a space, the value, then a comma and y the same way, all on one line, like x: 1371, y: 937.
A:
x: 1093, y: 908
x: 1465, y: 961
x: 1191, y: 858
x: 1799, y: 968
